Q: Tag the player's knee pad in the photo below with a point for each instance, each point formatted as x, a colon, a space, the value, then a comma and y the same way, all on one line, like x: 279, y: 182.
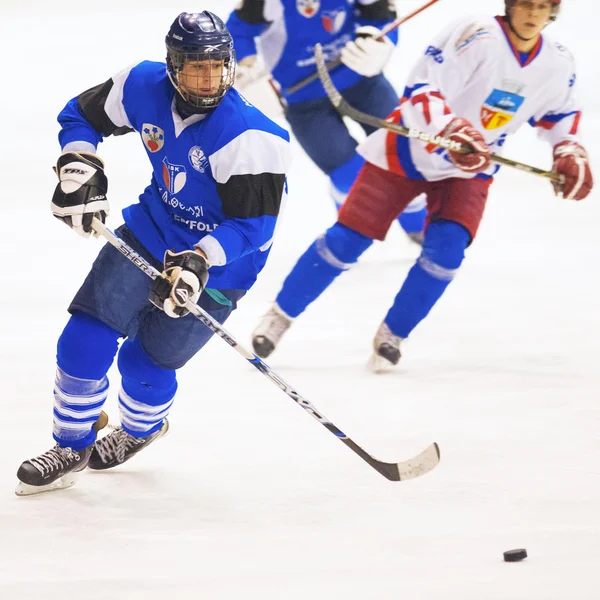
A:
x: 341, y: 246
x: 87, y: 347
x: 443, y: 249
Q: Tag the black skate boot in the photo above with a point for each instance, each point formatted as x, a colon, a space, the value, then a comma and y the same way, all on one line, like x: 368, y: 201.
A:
x: 118, y: 447
x: 56, y: 469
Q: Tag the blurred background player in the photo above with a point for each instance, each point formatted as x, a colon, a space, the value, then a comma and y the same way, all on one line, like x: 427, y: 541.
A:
x: 478, y: 81
x: 288, y: 31
x: 216, y: 161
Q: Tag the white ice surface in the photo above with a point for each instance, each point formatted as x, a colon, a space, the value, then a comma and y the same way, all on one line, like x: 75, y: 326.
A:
x: 248, y: 497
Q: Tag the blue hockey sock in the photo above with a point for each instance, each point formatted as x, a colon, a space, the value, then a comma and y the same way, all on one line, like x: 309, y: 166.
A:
x: 335, y: 251
x: 443, y: 252
x: 85, y: 351
x: 147, y: 391
x: 412, y: 220
x: 343, y: 177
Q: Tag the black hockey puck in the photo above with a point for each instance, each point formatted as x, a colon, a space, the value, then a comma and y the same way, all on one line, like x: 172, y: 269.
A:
x: 515, y: 555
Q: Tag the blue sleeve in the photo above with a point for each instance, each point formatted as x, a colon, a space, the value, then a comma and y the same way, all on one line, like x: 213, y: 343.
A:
x: 74, y: 128
x: 243, y: 35
x: 239, y: 237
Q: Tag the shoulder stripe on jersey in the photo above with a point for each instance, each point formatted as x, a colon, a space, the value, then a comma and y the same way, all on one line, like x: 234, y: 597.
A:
x: 114, y: 102
x: 102, y: 106
x: 250, y: 153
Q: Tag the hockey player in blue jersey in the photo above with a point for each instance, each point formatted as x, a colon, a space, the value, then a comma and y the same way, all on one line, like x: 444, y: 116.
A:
x: 206, y: 220
x: 288, y: 31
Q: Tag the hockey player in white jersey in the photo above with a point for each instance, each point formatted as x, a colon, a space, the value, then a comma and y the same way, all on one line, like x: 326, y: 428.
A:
x: 206, y: 220
x: 476, y: 83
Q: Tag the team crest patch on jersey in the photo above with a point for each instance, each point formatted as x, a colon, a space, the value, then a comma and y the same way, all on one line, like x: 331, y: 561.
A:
x: 308, y: 8
x: 174, y: 176
x: 198, y: 159
x: 153, y: 137
x: 499, y: 108
x: 333, y: 20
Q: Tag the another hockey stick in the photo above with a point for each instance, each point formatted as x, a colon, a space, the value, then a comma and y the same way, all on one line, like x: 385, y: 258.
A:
x: 409, y: 469
x: 336, y: 63
x: 437, y: 140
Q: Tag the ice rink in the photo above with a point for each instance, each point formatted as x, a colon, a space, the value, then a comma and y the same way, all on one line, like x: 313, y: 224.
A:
x: 248, y: 497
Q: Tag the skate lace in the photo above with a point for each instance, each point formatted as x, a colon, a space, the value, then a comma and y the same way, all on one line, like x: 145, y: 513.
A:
x: 55, y: 459
x: 116, y: 444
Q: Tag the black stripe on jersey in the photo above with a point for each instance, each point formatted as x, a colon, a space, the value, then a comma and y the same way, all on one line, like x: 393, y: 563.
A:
x: 91, y: 104
x: 382, y: 10
x: 249, y: 196
x: 252, y: 12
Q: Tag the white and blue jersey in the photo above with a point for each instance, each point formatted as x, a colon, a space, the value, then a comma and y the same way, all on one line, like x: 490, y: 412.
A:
x: 288, y: 30
x: 217, y: 179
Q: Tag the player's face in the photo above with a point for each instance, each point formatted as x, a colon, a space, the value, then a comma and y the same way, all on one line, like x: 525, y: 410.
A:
x: 201, y: 78
x: 529, y: 17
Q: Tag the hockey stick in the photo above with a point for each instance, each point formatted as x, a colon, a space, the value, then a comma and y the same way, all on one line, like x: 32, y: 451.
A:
x: 408, y: 469
x: 336, y: 63
x: 437, y: 140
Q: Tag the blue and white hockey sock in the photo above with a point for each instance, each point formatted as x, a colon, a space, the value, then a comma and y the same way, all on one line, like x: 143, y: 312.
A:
x: 86, y: 349
x: 443, y: 252
x: 147, y: 391
x: 77, y: 406
x: 328, y: 256
x: 412, y: 220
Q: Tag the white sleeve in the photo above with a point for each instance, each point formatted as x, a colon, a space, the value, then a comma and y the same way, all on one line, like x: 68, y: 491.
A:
x: 562, y: 121
x: 446, y: 69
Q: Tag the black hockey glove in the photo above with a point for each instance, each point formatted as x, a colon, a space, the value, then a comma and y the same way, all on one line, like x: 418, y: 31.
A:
x: 183, y: 279
x: 81, y: 192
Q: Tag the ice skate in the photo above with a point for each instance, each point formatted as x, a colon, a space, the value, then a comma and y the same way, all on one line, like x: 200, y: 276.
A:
x: 269, y: 331
x: 118, y: 447
x: 386, y: 350
x: 56, y: 469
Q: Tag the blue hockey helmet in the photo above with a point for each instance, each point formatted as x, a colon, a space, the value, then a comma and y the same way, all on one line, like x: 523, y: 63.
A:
x: 200, y: 58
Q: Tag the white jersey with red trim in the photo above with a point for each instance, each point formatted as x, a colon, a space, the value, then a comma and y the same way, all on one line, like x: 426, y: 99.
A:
x: 472, y: 70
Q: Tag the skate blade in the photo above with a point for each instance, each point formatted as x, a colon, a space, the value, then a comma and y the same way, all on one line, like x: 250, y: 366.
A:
x: 378, y: 364
x: 62, y: 483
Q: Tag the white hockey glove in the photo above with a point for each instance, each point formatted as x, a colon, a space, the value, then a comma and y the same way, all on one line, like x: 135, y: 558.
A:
x: 183, y: 279
x: 248, y: 71
x: 365, y: 55
x: 81, y: 192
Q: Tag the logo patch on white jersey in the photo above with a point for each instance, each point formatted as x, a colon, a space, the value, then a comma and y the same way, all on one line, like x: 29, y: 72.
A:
x: 174, y: 176
x: 308, y: 8
x: 473, y: 32
x: 333, y: 20
x: 153, y: 137
x: 198, y: 159
x: 499, y: 108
